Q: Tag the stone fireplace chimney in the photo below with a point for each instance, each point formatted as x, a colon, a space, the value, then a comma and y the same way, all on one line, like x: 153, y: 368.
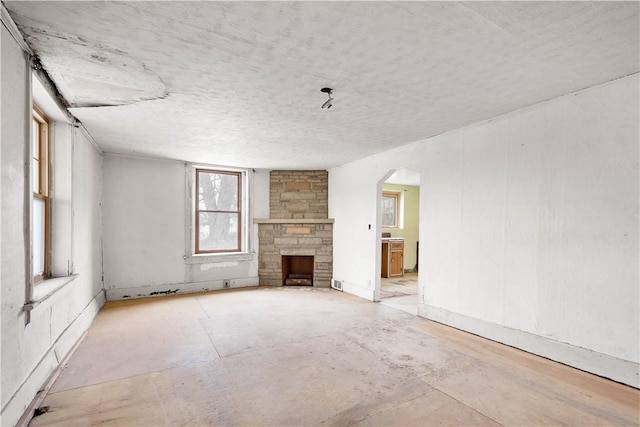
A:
x: 296, y: 241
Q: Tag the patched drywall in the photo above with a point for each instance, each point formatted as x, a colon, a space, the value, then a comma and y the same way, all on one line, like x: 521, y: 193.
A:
x: 529, y: 222
x: 145, y: 232
x: 31, y: 352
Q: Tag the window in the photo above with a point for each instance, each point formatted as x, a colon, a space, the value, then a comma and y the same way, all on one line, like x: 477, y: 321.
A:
x: 40, y: 186
x: 218, y: 211
x: 390, y: 209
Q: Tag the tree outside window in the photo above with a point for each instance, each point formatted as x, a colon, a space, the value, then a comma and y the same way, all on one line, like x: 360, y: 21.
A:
x: 390, y: 209
x: 218, y: 211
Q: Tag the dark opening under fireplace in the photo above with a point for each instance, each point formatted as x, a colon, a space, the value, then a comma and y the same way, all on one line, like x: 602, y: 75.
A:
x: 297, y: 270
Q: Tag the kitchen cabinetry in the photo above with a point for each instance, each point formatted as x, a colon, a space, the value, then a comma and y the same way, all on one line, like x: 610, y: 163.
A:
x: 392, y: 257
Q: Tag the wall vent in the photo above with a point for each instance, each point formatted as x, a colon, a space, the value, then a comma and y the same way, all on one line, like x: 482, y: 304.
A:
x: 336, y: 284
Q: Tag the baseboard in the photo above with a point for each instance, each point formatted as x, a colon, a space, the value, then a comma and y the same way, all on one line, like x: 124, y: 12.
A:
x: 619, y: 370
x: 358, y: 290
x: 21, y: 405
x: 147, y: 291
x: 27, y: 416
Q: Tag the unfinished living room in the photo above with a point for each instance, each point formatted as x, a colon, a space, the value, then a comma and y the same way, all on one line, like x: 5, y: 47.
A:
x: 320, y: 213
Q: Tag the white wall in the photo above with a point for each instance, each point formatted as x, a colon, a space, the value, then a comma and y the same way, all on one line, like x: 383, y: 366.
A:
x: 12, y: 284
x: 144, y: 213
x: 31, y: 352
x: 528, y: 230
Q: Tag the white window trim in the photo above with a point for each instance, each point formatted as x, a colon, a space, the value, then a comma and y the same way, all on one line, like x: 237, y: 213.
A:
x: 60, y: 226
x: 46, y: 289
x: 401, y: 210
x: 247, y: 252
x: 398, y: 197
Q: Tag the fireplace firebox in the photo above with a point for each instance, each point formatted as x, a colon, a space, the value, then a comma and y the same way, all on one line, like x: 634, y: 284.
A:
x: 297, y: 270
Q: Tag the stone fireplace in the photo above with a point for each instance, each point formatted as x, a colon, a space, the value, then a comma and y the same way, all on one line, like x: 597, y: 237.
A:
x: 296, y: 242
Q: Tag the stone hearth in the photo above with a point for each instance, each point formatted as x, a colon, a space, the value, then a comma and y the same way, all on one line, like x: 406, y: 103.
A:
x: 298, y: 225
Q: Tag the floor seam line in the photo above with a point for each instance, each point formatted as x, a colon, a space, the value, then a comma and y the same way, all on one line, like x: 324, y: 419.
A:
x: 115, y: 379
x: 205, y: 329
x: 277, y: 344
x: 382, y: 410
x: 164, y: 410
x: 210, y: 339
x: 461, y: 402
x: 197, y: 299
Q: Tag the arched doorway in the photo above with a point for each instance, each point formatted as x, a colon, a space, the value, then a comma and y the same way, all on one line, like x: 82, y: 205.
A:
x: 398, y: 222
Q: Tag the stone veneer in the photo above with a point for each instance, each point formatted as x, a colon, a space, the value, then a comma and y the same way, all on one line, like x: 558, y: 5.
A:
x: 298, y: 225
x: 298, y: 194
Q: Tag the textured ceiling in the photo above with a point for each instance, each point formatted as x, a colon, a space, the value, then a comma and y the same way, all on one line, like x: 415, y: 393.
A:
x: 238, y: 83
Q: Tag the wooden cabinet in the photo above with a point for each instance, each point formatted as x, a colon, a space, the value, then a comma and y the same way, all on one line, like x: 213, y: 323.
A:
x: 392, y: 257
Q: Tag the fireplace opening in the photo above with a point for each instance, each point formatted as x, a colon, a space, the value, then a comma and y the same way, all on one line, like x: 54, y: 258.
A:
x: 297, y: 270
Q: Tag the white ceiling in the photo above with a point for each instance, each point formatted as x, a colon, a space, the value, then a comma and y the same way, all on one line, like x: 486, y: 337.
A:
x: 238, y: 83
x: 404, y: 176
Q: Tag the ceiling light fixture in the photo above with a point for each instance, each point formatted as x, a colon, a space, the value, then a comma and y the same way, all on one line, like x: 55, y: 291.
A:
x: 329, y: 103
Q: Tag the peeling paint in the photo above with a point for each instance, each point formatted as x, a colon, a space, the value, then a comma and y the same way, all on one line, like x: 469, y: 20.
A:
x: 169, y: 292
x: 90, y: 72
x: 206, y: 267
x: 99, y: 58
x: 119, y: 104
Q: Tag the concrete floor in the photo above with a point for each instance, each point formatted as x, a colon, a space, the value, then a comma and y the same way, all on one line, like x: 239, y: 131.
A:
x: 301, y: 356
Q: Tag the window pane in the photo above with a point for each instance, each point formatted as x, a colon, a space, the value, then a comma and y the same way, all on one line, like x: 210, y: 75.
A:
x: 217, y: 191
x: 38, y: 236
x: 35, y: 167
x: 389, y: 211
x: 35, y: 138
x: 218, y: 231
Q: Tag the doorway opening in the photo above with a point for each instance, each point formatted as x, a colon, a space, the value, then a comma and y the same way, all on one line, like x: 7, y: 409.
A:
x: 398, y: 240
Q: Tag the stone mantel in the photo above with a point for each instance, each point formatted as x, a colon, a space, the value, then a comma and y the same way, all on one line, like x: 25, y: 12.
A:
x: 293, y: 220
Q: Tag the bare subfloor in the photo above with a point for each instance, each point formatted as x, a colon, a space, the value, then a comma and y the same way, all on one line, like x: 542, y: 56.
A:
x: 297, y: 356
x: 400, y: 292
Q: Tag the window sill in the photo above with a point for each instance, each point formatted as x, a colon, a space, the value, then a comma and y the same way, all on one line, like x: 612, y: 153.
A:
x: 213, y: 258
x: 44, y: 290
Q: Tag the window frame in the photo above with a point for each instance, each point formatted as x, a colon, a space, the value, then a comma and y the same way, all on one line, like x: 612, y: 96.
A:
x: 396, y: 197
x: 60, y: 134
x: 238, y: 211
x: 43, y: 186
x: 247, y: 231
